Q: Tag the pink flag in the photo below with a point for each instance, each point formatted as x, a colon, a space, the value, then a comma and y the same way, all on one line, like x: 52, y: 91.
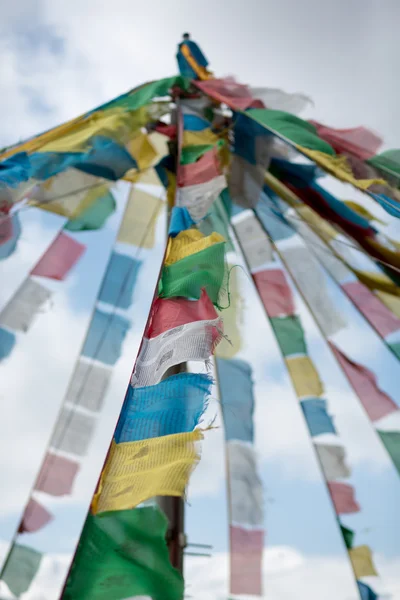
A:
x: 275, y: 292
x: 201, y: 171
x: 376, y: 403
x: 360, y: 141
x: 59, y: 259
x: 168, y: 313
x: 57, y: 475
x: 227, y: 90
x: 6, y: 229
x: 35, y: 517
x: 246, y: 561
x: 343, y: 498
x: 380, y: 317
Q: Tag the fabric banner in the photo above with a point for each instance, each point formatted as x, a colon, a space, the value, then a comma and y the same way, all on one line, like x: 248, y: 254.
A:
x: 227, y: 90
x: 88, y: 386
x: 73, y: 432
x: 199, y: 138
x: 21, y: 568
x: 168, y: 313
x: 189, y: 242
x: 35, y: 517
x: 343, y: 498
x: 10, y: 231
x: 20, y: 312
x: 348, y: 536
x: 391, y: 301
x: 366, y: 592
x: 200, y: 197
x: 180, y: 220
x: 245, y: 182
x: 382, y: 319
x: 270, y: 214
x: 124, y: 554
x: 289, y: 334
x: 325, y: 229
x: 391, y: 441
x: 304, y: 377
x: 120, y: 280
x: 7, y: 343
x: 246, y: 561
x: 190, y: 275
x: 317, y: 417
x: 217, y: 220
x: 377, y: 404
x: 275, y: 292
x: 60, y: 258
x: 359, y: 141
x: 194, y: 341
x: 307, y: 274
x: 96, y: 214
x: 142, y: 150
x: 233, y: 319
x: 137, y: 471
x: 105, y: 337
x: 237, y: 399
x: 57, y: 475
x: 245, y: 487
x: 332, y: 460
x: 204, y: 169
x: 175, y: 405
x: 194, y: 123
x: 276, y: 99
x: 138, y: 225
x: 254, y: 241
x: 361, y: 559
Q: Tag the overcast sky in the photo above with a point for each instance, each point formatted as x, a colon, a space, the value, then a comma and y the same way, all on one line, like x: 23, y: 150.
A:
x: 60, y: 59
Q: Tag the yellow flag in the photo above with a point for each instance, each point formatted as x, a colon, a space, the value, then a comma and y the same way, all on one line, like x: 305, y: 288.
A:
x: 149, y: 177
x: 137, y: 471
x: 189, y: 242
x: 198, y: 138
x: 138, y: 225
x: 377, y: 281
x: 142, y: 150
x: 304, y: 376
x: 171, y: 190
x: 339, y: 167
x: 390, y: 301
x: 361, y: 210
x: 361, y: 559
x: 233, y: 317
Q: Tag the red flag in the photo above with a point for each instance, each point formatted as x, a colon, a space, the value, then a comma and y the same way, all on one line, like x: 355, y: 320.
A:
x: 227, y: 90
x: 201, y: 171
x: 246, y: 561
x: 35, y: 517
x: 59, y: 259
x: 360, y: 141
x: 380, y: 317
x: 376, y: 403
x: 343, y: 498
x: 275, y: 292
x: 57, y: 475
x: 167, y: 130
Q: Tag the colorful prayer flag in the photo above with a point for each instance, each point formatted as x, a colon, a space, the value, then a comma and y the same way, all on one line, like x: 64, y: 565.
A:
x: 245, y: 487
x: 361, y: 559
x: 139, y: 220
x: 120, y: 280
x: 88, y: 386
x: 275, y: 292
x: 391, y: 441
x: 205, y: 169
x: 35, y: 517
x: 317, y: 417
x: 348, y: 536
x: 105, y: 337
x: 20, y: 312
x: 73, y: 431
x: 343, y: 498
x: 97, y: 212
x: 332, y: 460
x: 59, y: 259
x: 236, y: 397
x: 7, y: 343
x: 189, y: 242
x: 289, y: 334
x: 57, y: 475
x: 380, y: 317
x: 21, y: 567
x: 304, y: 376
x: 246, y: 561
x: 359, y: 141
x: 199, y: 198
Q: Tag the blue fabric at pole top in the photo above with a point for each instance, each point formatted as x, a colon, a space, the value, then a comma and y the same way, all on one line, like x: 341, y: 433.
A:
x: 175, y: 405
x: 366, y: 592
x: 7, y: 342
x: 269, y: 211
x: 180, y: 220
x: 317, y: 417
x: 120, y: 280
x: 105, y: 337
x: 194, y: 123
x: 237, y: 400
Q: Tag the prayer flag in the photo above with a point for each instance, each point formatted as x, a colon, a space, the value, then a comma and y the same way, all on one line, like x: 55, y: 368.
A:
x: 137, y: 471
x: 289, y: 334
x: 366, y: 592
x: 20, y: 312
x: 189, y: 242
x: 35, y: 517
x: 270, y: 215
x: 194, y: 122
x: 175, y: 405
x: 245, y: 182
x: 382, y: 319
x: 332, y: 460
x: 236, y: 398
x: 88, y: 385
x: 96, y: 214
x: 254, y: 241
x: 304, y: 376
x: 277, y: 99
x: 317, y: 417
x: 388, y: 162
x: 207, y: 167
x: 59, y: 259
x: 180, y: 220
x: 199, y: 198
x: 377, y: 404
x: 191, y: 154
x: 7, y: 343
x: 142, y: 150
x: 361, y: 559
x: 57, y: 475
x: 359, y: 141
x: 348, y: 536
x: 245, y: 487
x: 105, y: 337
x: 73, y: 431
x: 124, y: 554
x: 227, y: 90
x: 10, y: 231
x: 218, y: 220
x: 391, y: 301
x: 275, y: 292
x: 120, y: 280
x: 343, y: 498
x: 231, y: 343
x: 391, y: 441
x: 246, y: 561
x: 21, y: 568
x: 139, y: 220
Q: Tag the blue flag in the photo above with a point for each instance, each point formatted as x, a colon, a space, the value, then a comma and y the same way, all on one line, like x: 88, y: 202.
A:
x: 237, y: 400
x: 120, y: 280
x: 105, y: 337
x: 316, y: 415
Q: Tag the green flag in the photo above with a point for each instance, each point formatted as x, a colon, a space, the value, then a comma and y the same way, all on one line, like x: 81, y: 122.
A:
x: 22, y: 566
x: 95, y: 215
x: 190, y: 154
x: 145, y: 93
x: 388, y: 161
x: 217, y: 220
x: 290, y: 335
x: 293, y: 128
x: 396, y: 348
x: 348, y: 536
x: 123, y: 554
x: 391, y: 441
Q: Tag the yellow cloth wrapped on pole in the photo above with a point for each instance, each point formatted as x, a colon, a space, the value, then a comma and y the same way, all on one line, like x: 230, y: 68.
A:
x: 339, y: 167
x: 361, y: 559
x: 189, y: 242
x: 138, y: 225
x: 137, y: 471
x: 304, y: 376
